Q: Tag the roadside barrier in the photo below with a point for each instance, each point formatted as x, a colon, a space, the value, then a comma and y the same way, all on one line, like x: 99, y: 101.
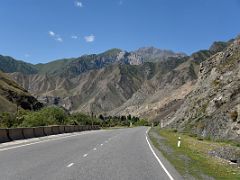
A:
x: 61, y: 129
x: 84, y: 128
x: 55, y: 130
x: 72, y: 128
x: 16, y: 133
x: 81, y: 128
x: 12, y: 134
x: 48, y: 130
x: 67, y: 129
x: 76, y: 128
x: 38, y: 132
x: 4, y: 135
x: 28, y: 133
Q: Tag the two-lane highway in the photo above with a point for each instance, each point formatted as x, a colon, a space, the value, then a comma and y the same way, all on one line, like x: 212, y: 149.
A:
x: 106, y: 154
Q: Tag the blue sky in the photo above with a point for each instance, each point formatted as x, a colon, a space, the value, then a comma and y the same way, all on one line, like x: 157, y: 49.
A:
x: 44, y: 30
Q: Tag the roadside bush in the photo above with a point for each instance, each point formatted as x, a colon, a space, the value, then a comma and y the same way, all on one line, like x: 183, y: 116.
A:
x: 7, y: 120
x: 82, y: 119
x: 141, y: 122
x: 44, y: 117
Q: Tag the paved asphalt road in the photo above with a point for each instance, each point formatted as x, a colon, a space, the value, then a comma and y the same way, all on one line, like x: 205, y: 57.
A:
x: 122, y: 154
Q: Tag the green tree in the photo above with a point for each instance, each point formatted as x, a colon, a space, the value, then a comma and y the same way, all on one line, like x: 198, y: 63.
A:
x: 45, y: 117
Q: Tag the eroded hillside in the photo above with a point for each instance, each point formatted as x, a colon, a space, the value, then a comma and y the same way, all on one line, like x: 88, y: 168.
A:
x: 212, y: 109
x: 12, y: 96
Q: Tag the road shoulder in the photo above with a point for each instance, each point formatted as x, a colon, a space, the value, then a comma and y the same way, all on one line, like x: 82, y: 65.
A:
x: 172, y: 171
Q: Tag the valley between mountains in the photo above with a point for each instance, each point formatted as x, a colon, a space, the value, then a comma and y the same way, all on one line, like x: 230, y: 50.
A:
x: 199, y: 93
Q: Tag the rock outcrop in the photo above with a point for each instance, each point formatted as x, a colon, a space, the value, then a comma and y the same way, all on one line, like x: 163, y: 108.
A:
x: 212, y: 109
x: 13, y: 96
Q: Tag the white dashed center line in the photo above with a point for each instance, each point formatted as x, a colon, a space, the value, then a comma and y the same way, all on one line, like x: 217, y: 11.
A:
x: 94, y: 149
x: 70, y: 165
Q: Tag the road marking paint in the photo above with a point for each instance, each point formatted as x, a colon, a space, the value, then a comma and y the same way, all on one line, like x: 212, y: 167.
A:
x: 101, y: 144
x: 70, y: 165
x: 48, y: 140
x: 85, y: 155
x: 94, y: 149
x: 159, y: 161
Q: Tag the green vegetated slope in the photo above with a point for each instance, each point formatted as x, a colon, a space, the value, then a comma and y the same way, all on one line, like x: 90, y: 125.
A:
x: 10, y: 65
x: 52, y: 67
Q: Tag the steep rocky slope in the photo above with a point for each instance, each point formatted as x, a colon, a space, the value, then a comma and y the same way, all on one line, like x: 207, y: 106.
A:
x: 100, y: 90
x: 13, y: 95
x: 151, y: 54
x: 149, y: 82
x: 97, y: 82
x: 77, y: 66
x: 212, y: 109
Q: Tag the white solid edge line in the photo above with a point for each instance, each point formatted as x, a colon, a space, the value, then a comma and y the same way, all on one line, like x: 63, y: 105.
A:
x: 57, y: 138
x: 70, y: 165
x: 159, y: 161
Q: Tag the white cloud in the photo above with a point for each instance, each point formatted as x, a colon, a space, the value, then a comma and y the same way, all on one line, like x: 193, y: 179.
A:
x: 59, y: 39
x: 74, y: 37
x: 90, y: 38
x: 55, y: 36
x: 51, y: 33
x: 78, y: 4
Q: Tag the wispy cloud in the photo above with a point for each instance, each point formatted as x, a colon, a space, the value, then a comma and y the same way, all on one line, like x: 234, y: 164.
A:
x: 78, y: 4
x: 55, y: 36
x: 59, y: 39
x: 89, y: 38
x: 74, y: 37
x: 27, y: 55
x: 51, y: 33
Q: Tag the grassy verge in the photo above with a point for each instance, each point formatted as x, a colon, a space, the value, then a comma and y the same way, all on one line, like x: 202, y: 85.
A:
x: 192, y: 159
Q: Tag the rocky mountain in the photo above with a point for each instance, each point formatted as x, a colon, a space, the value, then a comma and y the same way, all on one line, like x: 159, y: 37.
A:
x: 212, y: 109
x: 160, y: 85
x: 10, y: 65
x: 151, y: 54
x: 98, y: 82
x: 85, y: 63
x: 13, y: 96
x: 99, y: 90
x: 116, y: 81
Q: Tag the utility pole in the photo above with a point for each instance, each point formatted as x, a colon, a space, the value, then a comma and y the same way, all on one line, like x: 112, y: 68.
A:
x: 92, y: 118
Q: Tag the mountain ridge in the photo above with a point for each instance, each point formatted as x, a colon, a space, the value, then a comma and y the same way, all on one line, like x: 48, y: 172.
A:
x: 117, y: 83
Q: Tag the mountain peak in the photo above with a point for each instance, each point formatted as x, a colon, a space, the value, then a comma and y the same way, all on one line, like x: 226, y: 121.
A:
x: 112, y: 52
x: 155, y: 54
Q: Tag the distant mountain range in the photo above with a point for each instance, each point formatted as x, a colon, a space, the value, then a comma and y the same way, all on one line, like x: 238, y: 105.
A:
x: 97, y: 82
x: 149, y: 82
